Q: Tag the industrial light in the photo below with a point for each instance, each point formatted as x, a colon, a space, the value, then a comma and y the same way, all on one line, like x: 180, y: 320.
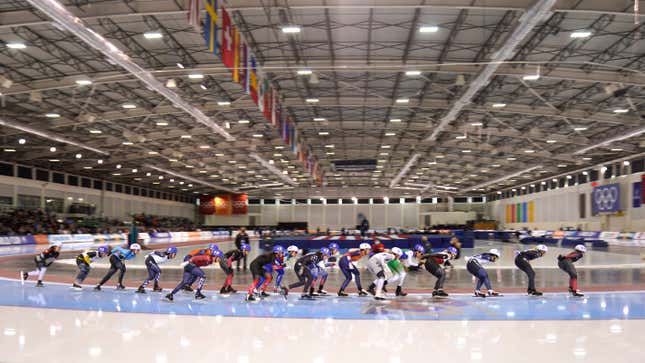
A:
x: 258, y: 135
x: 323, y: 133
x: 511, y: 159
x: 223, y: 103
x: 580, y: 34
x: 10, y: 150
x: 529, y: 151
x: 152, y: 35
x: 621, y: 110
x: 531, y: 77
x: 52, y: 115
x: 466, y: 151
x: 204, y: 147
x: 179, y: 65
x: 319, y: 119
x: 580, y: 128
x: 551, y: 141
x: 384, y: 154
x: 312, y: 100
x: 16, y: 45
x: 304, y: 72
x: 402, y: 100
x: 626, y: 163
x: 460, y: 137
x: 96, y: 132
x: 53, y: 160
x: 203, y: 87
x: 498, y: 105
x: 52, y: 149
x: 330, y: 153
x: 127, y: 143
x: 616, y: 149
x: 162, y: 123
x: 135, y: 170
x: 243, y: 121
x: 186, y: 136
x: 395, y: 120
x: 22, y: 141
x: 196, y: 76
x: 476, y: 124
x: 78, y: 156
x: 428, y: 29
x: 152, y: 153
x: 390, y: 134
x: 83, y: 82
x: 330, y: 146
x: 412, y: 73
x: 385, y: 146
x: 171, y: 83
x: 562, y: 165
x: 219, y: 154
x: 99, y: 161
x: 291, y: 29
x: 129, y: 106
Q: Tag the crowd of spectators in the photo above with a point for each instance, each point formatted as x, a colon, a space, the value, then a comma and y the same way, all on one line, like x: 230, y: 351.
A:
x: 20, y: 222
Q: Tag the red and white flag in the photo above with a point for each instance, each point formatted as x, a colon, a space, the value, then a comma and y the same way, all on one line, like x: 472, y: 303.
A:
x: 194, y: 8
x: 228, y: 51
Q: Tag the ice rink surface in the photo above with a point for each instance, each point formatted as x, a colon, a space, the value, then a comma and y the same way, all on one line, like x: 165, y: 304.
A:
x: 58, y: 324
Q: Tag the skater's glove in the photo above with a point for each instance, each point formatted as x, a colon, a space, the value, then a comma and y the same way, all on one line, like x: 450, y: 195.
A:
x: 560, y: 257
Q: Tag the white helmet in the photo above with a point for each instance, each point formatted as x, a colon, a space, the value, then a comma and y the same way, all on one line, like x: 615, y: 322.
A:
x: 397, y: 251
x: 495, y: 252
x: 57, y: 243
x: 292, y: 248
x: 542, y: 248
x: 580, y: 248
x: 135, y: 246
x: 365, y: 246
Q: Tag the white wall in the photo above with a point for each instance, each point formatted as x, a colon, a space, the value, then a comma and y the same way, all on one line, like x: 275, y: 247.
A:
x: 108, y: 204
x: 337, y: 216
x: 560, y: 208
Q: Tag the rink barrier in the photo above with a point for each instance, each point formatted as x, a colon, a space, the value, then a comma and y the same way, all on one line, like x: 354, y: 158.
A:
x: 310, y: 242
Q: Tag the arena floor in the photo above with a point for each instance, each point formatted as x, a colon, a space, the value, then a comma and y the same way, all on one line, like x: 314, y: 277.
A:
x: 104, y: 326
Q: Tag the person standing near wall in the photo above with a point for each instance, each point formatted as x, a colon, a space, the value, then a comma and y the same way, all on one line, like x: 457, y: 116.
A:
x: 241, y: 238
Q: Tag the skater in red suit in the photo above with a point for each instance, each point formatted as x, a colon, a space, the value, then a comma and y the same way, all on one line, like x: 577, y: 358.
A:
x: 565, y: 263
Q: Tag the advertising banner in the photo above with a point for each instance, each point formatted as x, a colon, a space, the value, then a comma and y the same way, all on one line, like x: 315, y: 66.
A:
x: 223, y: 205
x: 637, y: 195
x: 240, y: 203
x: 605, y: 199
x: 206, y: 205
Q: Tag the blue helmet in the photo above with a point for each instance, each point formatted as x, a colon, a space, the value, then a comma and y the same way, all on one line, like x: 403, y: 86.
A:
x: 334, y: 246
x: 452, y: 250
x: 419, y: 248
x: 245, y: 247
x: 404, y: 256
x: 325, y: 251
x: 171, y: 250
x: 103, y: 250
x: 278, y: 249
x: 213, y: 247
x: 217, y: 253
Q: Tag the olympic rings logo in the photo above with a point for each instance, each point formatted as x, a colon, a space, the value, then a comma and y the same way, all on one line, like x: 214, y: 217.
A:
x: 606, y: 198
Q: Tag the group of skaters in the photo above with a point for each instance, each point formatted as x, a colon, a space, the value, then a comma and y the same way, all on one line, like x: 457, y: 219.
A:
x: 388, y: 267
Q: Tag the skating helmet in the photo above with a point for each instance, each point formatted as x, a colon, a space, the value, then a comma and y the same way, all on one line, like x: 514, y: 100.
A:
x: 278, y: 249
x: 325, y: 251
x: 292, y: 248
x: 104, y: 250
x: 581, y: 248
x: 245, y: 247
x: 135, y: 246
x: 217, y: 253
x: 397, y: 251
x: 494, y: 251
x: 542, y: 248
x: 404, y: 256
x: 364, y: 246
x: 419, y: 248
x: 57, y: 244
x: 170, y: 250
x: 213, y: 247
x: 452, y: 250
x: 334, y: 246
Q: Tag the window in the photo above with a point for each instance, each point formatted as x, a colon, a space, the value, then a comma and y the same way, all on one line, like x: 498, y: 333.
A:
x: 118, y: 188
x: 108, y: 186
x: 332, y: 201
x: 28, y: 201
x: 272, y: 201
x: 410, y: 200
x: 347, y: 201
x: 42, y: 175
x: 426, y: 200
x: 86, y: 183
x: 480, y: 199
x: 377, y: 201
x: 396, y: 200
x: 25, y: 172
x: 58, y: 178
x: 157, y: 194
x: 98, y: 185
x: 144, y: 192
x: 128, y: 190
x: 313, y: 201
x: 6, y: 200
x: 607, y: 174
x: 638, y: 166
x: 363, y: 201
x: 461, y: 200
x: 593, y: 175
x: 441, y: 200
x: 300, y: 201
x: 54, y: 204
x: 135, y: 191
x: 72, y: 180
x: 6, y: 169
x: 285, y: 201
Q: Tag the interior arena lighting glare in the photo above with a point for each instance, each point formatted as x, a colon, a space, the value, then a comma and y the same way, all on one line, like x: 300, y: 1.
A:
x: 319, y: 119
x: 395, y: 120
x: 529, y: 151
x: 10, y: 150
x: 258, y: 135
x: 152, y: 35
x: 78, y: 156
x: 466, y: 151
x: 52, y: 115
x: 203, y: 87
x: 621, y: 110
x: 52, y: 149
x: 162, y: 123
x: 129, y: 106
x: 186, y: 136
x: 551, y: 141
x: 531, y: 77
x: 223, y: 103
x: 428, y: 29
x: 171, y: 83
x: 152, y: 153
x: 580, y: 34
x: 476, y: 124
x: 96, y: 132
x: 323, y: 133
x: 99, y: 161
x: 580, y: 128
x: 291, y: 29
x: 127, y: 143
x: 304, y: 72
x: 312, y: 100
x: 461, y: 137
x: 16, y: 45
x: 196, y: 76
x: 22, y: 141
x: 243, y: 121
x: 412, y: 73
x: 498, y: 105
x: 179, y: 65
x: 390, y: 134
x: 83, y: 82
x: 402, y: 100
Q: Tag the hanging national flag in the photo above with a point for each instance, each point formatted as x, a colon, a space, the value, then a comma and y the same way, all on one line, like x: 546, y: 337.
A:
x: 210, y: 25
x: 236, y: 55
x: 261, y: 94
x: 268, y: 99
x: 274, y: 109
x: 243, y: 66
x: 253, y: 78
x: 228, y: 43
x: 193, y: 14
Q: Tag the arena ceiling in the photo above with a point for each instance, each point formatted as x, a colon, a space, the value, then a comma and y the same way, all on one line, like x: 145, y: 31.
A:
x: 495, y: 92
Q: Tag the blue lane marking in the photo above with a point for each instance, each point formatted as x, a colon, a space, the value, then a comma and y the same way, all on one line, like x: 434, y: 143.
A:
x: 595, y: 306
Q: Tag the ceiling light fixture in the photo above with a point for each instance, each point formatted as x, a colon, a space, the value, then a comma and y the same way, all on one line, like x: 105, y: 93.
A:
x: 129, y: 106
x: 395, y: 120
x: 304, y: 72
x: 580, y: 34
x: 196, y: 76
x: 498, y: 105
x: 243, y: 121
x: 551, y: 141
x: 621, y: 110
x: 319, y: 119
x: 223, y: 103
x: 405, y: 169
x: 273, y: 169
x: 189, y: 178
x: 152, y: 35
x: 15, y: 45
x: 402, y: 100
x: 312, y: 100
x: 52, y: 115
x: 83, y: 82
x: 412, y: 73
x: 291, y: 29
x: 428, y: 29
